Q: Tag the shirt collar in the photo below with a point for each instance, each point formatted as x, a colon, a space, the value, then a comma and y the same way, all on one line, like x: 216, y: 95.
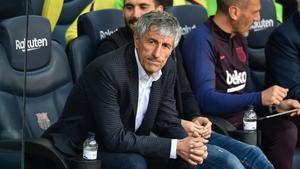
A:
x: 142, y: 73
x: 222, y: 34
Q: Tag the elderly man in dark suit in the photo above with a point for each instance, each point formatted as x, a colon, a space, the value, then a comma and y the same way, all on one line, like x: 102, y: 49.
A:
x: 125, y: 95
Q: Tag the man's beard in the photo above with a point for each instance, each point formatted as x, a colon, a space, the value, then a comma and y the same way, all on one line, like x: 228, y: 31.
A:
x: 238, y: 31
x: 132, y: 23
x: 245, y: 34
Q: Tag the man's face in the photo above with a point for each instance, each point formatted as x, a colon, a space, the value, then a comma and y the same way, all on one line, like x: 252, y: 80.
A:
x: 134, y: 9
x: 153, y: 50
x: 248, y: 15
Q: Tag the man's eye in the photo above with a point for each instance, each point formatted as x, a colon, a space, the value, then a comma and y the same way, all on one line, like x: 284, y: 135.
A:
x: 128, y: 7
x: 166, y: 46
x: 144, y: 7
x: 151, y: 41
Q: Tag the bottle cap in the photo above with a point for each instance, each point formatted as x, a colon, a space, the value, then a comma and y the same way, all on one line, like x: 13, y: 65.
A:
x: 91, y: 134
x: 250, y: 107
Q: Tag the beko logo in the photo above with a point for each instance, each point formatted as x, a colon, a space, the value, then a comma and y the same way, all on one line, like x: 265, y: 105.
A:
x: 262, y: 25
x: 32, y: 44
x: 104, y: 34
x: 236, y: 78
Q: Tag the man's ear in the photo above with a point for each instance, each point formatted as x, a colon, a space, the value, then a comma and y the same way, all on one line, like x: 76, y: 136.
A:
x: 136, y: 40
x: 160, y: 8
x: 234, y: 12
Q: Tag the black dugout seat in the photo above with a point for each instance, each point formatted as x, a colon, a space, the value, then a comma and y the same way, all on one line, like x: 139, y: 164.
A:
x: 92, y: 28
x: 70, y: 10
x: 100, y: 24
x: 257, y: 39
x: 48, y: 83
x: 189, y: 16
x: 9, y: 9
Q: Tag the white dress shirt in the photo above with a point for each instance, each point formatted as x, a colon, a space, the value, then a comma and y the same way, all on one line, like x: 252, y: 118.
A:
x: 145, y: 83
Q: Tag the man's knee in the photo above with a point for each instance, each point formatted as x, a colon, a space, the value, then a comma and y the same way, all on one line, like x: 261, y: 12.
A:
x: 256, y: 153
x: 221, y: 158
x: 254, y: 150
x: 289, y: 130
x: 231, y: 161
x: 286, y: 134
x: 136, y: 161
x: 123, y: 160
x: 279, y: 133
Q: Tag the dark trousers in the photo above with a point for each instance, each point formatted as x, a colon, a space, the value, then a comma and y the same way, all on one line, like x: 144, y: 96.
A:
x: 279, y: 139
x: 136, y: 161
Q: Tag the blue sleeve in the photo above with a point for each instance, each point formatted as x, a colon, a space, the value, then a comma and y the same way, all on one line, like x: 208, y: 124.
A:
x: 199, y: 60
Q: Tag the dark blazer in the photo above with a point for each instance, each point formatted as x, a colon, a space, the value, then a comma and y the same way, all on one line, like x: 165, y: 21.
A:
x: 104, y: 100
x: 186, y: 103
x: 283, y: 56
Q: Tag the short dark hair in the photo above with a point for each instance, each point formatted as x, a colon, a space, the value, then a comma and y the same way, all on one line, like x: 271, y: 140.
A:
x: 223, y: 5
x: 165, y: 3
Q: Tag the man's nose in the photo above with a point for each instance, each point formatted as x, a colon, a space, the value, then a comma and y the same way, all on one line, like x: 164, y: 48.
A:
x: 156, y: 51
x: 137, y: 13
x: 257, y: 17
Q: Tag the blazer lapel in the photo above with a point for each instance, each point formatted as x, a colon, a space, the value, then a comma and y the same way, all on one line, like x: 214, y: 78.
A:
x: 133, y: 77
x: 152, y: 109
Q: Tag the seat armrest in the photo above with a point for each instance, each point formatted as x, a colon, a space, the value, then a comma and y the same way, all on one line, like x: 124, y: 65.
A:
x: 10, y: 154
x: 221, y: 125
x: 39, y: 147
x: 42, y: 147
x: 14, y: 144
x: 249, y: 137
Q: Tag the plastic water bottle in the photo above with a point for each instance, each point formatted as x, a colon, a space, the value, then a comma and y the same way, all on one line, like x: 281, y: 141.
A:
x: 90, y: 147
x: 250, y: 119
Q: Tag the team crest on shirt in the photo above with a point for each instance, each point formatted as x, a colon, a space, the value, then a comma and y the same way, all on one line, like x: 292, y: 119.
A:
x: 222, y: 57
x: 241, y: 54
x: 43, y: 120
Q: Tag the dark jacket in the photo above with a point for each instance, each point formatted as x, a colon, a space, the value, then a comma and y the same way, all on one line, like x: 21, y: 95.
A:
x: 186, y: 103
x: 104, y: 101
x: 283, y: 56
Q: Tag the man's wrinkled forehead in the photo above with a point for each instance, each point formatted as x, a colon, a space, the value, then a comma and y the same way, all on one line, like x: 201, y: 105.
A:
x: 140, y: 2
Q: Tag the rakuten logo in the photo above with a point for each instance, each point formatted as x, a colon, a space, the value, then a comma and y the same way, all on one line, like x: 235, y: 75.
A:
x: 32, y: 44
x: 104, y: 34
x: 262, y: 25
x: 186, y: 29
x: 236, y: 78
